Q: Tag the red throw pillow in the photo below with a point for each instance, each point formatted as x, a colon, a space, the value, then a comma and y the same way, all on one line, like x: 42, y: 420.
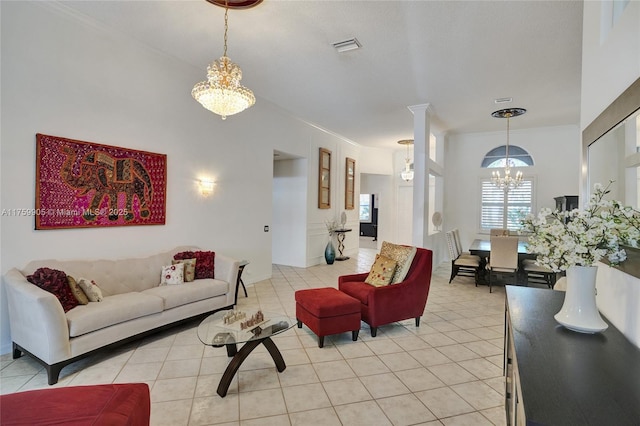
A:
x: 204, y: 262
x: 55, y: 282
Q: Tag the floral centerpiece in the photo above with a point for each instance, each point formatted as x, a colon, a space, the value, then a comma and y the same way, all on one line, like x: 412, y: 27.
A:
x: 583, y: 237
x: 573, y: 242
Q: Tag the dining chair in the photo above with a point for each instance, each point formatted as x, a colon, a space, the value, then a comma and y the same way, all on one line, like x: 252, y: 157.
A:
x: 463, y: 266
x: 504, y: 259
x: 536, y: 274
x: 456, y: 239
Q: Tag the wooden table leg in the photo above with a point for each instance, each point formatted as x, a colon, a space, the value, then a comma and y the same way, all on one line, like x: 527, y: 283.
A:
x: 275, y: 354
x: 241, y: 355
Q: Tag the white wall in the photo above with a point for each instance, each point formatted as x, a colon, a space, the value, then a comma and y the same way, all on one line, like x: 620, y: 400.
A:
x: 608, y: 68
x: 611, y: 65
x: 72, y: 78
x: 289, y: 220
x: 556, y: 155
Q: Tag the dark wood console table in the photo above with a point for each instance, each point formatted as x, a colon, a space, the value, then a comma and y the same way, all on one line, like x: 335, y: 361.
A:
x: 340, y: 237
x: 555, y: 376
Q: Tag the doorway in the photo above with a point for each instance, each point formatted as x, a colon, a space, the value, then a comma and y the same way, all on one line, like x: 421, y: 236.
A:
x: 368, y: 221
x: 289, y: 210
x: 377, y: 191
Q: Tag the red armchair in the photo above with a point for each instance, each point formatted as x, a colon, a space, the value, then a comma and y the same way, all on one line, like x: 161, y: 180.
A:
x: 395, y: 302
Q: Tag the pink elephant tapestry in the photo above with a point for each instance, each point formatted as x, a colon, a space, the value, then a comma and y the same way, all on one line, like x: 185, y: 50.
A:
x: 84, y: 184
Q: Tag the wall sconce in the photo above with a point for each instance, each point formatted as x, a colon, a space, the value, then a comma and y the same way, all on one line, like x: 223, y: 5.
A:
x: 206, y: 187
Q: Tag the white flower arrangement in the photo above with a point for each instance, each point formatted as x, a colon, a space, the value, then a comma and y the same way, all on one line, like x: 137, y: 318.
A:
x: 583, y: 237
x: 332, y: 226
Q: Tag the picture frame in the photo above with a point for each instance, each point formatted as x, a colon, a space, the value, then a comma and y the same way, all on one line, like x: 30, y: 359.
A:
x: 87, y: 185
x: 324, y: 179
x: 349, y: 183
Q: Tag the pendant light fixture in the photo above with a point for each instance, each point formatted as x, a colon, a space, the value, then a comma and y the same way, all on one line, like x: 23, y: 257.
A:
x: 507, y: 182
x: 407, y: 173
x: 222, y: 92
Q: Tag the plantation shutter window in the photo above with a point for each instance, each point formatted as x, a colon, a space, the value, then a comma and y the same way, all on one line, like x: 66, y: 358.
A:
x: 502, y: 209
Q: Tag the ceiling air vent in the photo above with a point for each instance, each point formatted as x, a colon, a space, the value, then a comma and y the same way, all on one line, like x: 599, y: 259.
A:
x: 503, y: 100
x: 346, y: 45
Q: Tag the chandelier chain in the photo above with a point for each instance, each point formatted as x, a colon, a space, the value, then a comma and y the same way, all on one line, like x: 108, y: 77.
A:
x: 226, y: 25
x: 222, y: 92
x: 507, y: 182
x: 507, y: 150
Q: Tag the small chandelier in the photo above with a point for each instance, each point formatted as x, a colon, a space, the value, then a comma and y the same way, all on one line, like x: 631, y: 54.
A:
x: 407, y: 173
x: 222, y: 92
x: 507, y: 182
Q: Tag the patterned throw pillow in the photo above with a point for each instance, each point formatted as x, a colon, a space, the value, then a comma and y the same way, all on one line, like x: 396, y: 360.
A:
x: 77, y: 291
x: 189, y: 268
x: 172, y: 274
x: 403, y: 255
x: 54, y: 282
x: 205, y: 261
x: 381, y: 271
x: 91, y: 289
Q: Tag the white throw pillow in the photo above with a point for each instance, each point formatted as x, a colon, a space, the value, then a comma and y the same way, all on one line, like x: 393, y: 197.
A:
x: 172, y: 274
x: 91, y: 289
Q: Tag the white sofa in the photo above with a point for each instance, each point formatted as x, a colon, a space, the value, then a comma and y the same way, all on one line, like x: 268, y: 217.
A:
x: 133, y: 306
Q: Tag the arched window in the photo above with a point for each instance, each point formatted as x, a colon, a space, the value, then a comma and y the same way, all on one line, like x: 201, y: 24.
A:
x: 504, y: 209
x: 518, y: 157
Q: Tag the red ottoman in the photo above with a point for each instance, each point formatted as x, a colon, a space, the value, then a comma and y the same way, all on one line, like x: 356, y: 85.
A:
x: 119, y: 404
x: 327, y: 311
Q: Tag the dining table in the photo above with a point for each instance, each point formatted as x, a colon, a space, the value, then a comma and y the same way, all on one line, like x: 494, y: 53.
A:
x: 482, y: 248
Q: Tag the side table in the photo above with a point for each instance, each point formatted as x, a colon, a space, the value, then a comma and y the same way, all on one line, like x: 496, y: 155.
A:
x: 239, y: 281
x: 340, y: 236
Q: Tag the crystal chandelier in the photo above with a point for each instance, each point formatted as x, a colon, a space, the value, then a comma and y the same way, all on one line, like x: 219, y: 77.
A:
x: 222, y: 93
x: 407, y: 173
x: 507, y: 182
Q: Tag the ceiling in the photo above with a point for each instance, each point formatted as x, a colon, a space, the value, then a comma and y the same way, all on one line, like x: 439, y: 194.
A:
x: 458, y: 56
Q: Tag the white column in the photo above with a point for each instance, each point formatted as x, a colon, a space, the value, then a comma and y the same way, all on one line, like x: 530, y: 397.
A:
x: 421, y: 132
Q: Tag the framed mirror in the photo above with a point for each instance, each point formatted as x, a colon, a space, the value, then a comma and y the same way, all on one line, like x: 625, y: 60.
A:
x: 611, y: 151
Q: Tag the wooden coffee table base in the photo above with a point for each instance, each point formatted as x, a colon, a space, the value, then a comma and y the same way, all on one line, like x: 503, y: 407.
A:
x: 241, y: 355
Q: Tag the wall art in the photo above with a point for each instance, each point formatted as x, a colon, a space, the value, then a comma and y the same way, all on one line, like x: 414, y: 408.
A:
x: 324, y: 179
x: 85, y: 184
x: 349, y: 183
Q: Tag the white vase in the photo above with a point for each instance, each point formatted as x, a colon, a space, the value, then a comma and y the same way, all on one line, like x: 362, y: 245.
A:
x: 579, y: 311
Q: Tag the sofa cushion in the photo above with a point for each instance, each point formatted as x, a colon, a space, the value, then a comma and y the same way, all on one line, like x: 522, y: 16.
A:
x: 55, y: 282
x: 382, y: 271
x: 325, y: 302
x: 80, y: 296
x: 116, y: 276
x: 205, y: 262
x: 112, y: 310
x: 172, y: 274
x: 403, y: 255
x: 189, y: 268
x: 358, y: 290
x: 177, y: 295
x: 91, y: 289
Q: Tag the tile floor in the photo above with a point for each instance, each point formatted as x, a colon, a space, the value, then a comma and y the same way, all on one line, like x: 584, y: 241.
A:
x: 448, y: 371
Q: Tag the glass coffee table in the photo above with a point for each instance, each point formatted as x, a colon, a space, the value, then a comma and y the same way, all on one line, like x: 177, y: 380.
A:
x: 259, y: 328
